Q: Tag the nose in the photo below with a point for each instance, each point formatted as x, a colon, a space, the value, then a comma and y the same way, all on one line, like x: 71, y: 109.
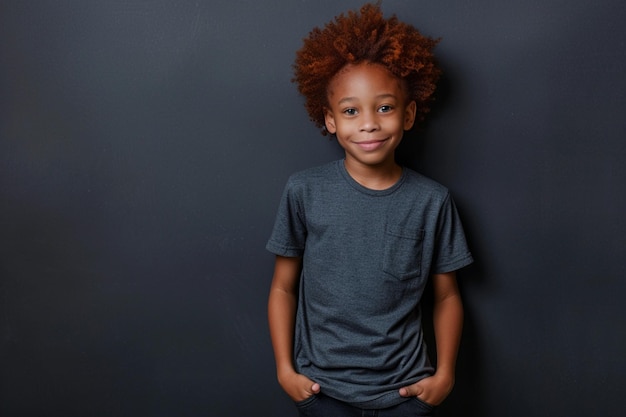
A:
x: 369, y: 122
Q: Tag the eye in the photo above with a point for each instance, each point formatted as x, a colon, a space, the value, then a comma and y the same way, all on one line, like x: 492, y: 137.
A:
x: 350, y: 111
x: 385, y: 109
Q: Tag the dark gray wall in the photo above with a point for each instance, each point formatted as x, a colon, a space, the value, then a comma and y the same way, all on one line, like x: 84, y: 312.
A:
x: 143, y: 149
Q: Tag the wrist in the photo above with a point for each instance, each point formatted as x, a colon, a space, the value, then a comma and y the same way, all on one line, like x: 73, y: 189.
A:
x: 284, y: 372
x: 445, y: 374
x: 445, y: 369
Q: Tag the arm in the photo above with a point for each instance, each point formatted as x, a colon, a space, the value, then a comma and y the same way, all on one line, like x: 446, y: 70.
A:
x: 448, y: 324
x: 282, y: 305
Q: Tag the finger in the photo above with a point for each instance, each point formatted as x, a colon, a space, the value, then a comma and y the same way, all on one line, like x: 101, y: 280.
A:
x: 411, y: 391
x: 315, y: 388
x: 406, y: 392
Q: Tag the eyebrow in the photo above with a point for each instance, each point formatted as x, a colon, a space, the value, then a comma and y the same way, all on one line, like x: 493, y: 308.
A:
x: 378, y: 97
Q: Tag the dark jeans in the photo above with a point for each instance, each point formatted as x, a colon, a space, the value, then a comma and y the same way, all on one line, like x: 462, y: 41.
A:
x: 322, y: 406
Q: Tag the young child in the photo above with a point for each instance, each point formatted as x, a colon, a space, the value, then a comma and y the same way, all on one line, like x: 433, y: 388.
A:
x: 356, y: 240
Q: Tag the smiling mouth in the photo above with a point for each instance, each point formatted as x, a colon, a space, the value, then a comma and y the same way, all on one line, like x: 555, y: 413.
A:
x: 370, y: 145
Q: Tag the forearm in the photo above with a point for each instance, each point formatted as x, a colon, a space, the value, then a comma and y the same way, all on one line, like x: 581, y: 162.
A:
x: 282, y: 305
x: 447, y: 322
x: 281, y: 310
x: 281, y: 313
x: 448, y: 326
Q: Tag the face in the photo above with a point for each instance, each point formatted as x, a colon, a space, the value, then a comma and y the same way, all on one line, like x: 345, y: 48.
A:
x: 368, y: 112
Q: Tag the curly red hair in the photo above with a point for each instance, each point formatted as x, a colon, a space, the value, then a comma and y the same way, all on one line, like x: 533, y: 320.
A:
x: 367, y: 36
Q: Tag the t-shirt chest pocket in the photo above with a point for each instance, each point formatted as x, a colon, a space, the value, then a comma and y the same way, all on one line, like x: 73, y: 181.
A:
x: 402, y: 253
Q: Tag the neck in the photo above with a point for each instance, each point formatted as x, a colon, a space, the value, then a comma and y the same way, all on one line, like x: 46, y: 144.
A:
x: 374, y: 177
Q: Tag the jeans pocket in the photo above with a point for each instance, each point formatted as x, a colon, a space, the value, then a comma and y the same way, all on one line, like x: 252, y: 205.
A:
x: 309, y: 407
x: 306, y: 402
x: 424, y: 404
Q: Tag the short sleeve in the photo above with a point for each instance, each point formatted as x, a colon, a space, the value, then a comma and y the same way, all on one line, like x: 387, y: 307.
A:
x: 288, y: 236
x: 451, y: 250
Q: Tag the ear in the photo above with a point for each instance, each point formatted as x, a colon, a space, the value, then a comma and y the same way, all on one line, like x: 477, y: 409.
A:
x: 329, y: 120
x: 409, y: 115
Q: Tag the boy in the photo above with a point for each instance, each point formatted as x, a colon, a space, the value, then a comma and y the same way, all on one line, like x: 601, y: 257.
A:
x: 357, y: 239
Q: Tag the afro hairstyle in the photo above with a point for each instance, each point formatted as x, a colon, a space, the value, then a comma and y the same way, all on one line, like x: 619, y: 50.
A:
x: 365, y: 36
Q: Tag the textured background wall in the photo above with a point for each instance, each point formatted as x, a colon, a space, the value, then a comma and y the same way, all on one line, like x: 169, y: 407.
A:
x: 143, y: 149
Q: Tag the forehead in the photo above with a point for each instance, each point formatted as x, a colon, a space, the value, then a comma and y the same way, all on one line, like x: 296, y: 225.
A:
x: 364, y: 79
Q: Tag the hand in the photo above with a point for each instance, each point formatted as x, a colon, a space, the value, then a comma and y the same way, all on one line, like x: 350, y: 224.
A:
x: 432, y: 390
x: 298, y: 386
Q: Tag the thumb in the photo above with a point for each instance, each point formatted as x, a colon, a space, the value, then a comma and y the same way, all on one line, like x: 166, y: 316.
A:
x: 410, y: 391
x: 315, y: 388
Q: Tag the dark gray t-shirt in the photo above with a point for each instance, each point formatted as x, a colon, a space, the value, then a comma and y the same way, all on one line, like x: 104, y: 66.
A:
x: 367, y: 255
